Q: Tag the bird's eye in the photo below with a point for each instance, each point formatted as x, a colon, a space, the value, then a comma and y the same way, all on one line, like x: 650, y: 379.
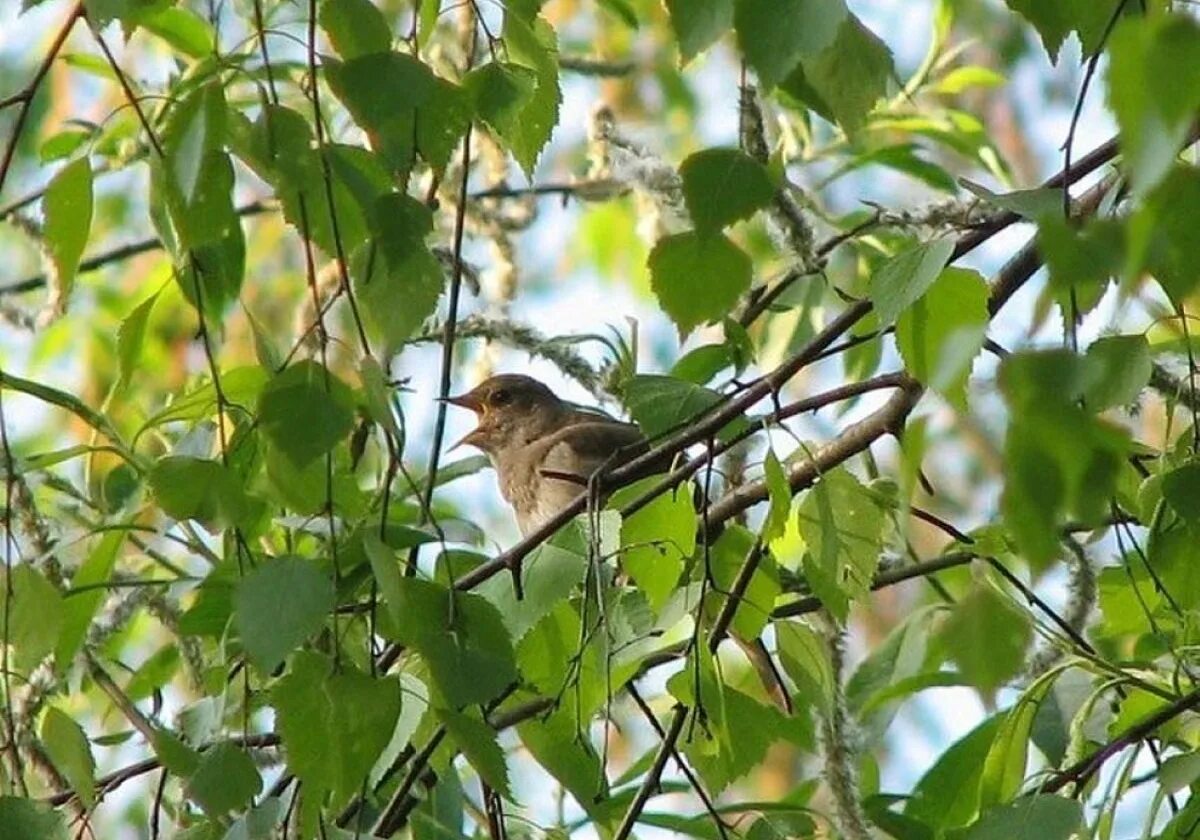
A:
x: 501, y: 397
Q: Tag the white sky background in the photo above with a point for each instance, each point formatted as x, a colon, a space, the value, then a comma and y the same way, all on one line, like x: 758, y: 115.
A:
x: 581, y: 303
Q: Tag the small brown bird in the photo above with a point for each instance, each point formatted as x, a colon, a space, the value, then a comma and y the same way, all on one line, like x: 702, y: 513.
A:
x: 544, y: 450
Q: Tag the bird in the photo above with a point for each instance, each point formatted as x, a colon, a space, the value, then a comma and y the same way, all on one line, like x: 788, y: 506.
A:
x: 543, y: 448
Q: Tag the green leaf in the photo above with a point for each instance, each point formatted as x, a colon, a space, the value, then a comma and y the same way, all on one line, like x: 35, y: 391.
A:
x: 780, y: 495
x: 548, y: 576
x: 1154, y: 90
x: 842, y: 526
x: 1061, y: 459
x: 501, y: 92
x: 465, y: 644
x: 68, y: 748
x: 1038, y: 817
x: 67, y: 207
x: 698, y: 24
x: 225, y: 781
x: 1179, y: 772
x: 572, y: 761
x: 942, y: 332
x: 335, y: 722
x: 532, y: 43
x: 657, y: 539
x: 405, y: 109
x: 697, y: 278
x: 722, y: 186
x: 734, y: 731
x: 726, y: 559
x: 400, y: 291
x: 440, y: 816
x: 356, y: 27
x: 477, y: 741
x: 1032, y: 205
x: 1118, y: 369
x: 947, y: 796
x: 1055, y: 21
x: 196, y: 488
x: 987, y: 637
x: 279, y: 605
x: 181, y: 28
x: 131, y: 335
x: 79, y: 610
x: 32, y: 610
x: 900, y: 281
x: 805, y: 658
x: 849, y: 75
x: 662, y: 404
x: 774, y: 35
x: 1181, y: 489
x: 1004, y: 767
x: 1081, y: 261
x: 305, y: 411
x: 28, y: 819
x: 1162, y: 234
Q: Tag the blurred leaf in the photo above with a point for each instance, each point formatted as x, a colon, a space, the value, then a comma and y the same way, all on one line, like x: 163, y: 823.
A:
x: 131, y: 335
x: 305, y: 390
x: 28, y: 819
x: 1162, y: 234
x: 31, y: 610
x: 1036, y: 817
x: 698, y: 278
x: 1181, y: 489
x: 1154, y: 90
x: 900, y: 281
x: 722, y: 186
x: 78, y: 611
x: 942, y: 332
x: 698, y: 24
x: 279, y: 605
x: 180, y: 27
x: 947, y: 796
x: 67, y: 207
x: 1119, y: 368
x: 774, y: 35
x: 780, y: 497
x: 1032, y: 205
x: 842, y: 526
x: 849, y: 75
x: 356, y: 27
x: 987, y: 638
x: 199, y: 489
x: 1060, y: 459
x: 225, y: 781
x: 701, y: 364
x: 335, y: 721
x: 68, y: 748
x: 1081, y: 261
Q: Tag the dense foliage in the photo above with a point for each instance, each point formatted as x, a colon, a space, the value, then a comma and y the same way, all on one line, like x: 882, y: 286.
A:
x: 247, y: 594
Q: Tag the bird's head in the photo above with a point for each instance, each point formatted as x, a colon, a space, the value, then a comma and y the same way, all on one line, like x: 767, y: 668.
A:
x: 512, y: 409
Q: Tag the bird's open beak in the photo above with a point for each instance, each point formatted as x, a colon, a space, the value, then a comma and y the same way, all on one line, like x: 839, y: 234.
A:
x: 471, y: 438
x: 467, y: 400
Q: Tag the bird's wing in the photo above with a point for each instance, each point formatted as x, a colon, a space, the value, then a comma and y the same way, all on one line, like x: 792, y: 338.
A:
x: 582, y: 448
